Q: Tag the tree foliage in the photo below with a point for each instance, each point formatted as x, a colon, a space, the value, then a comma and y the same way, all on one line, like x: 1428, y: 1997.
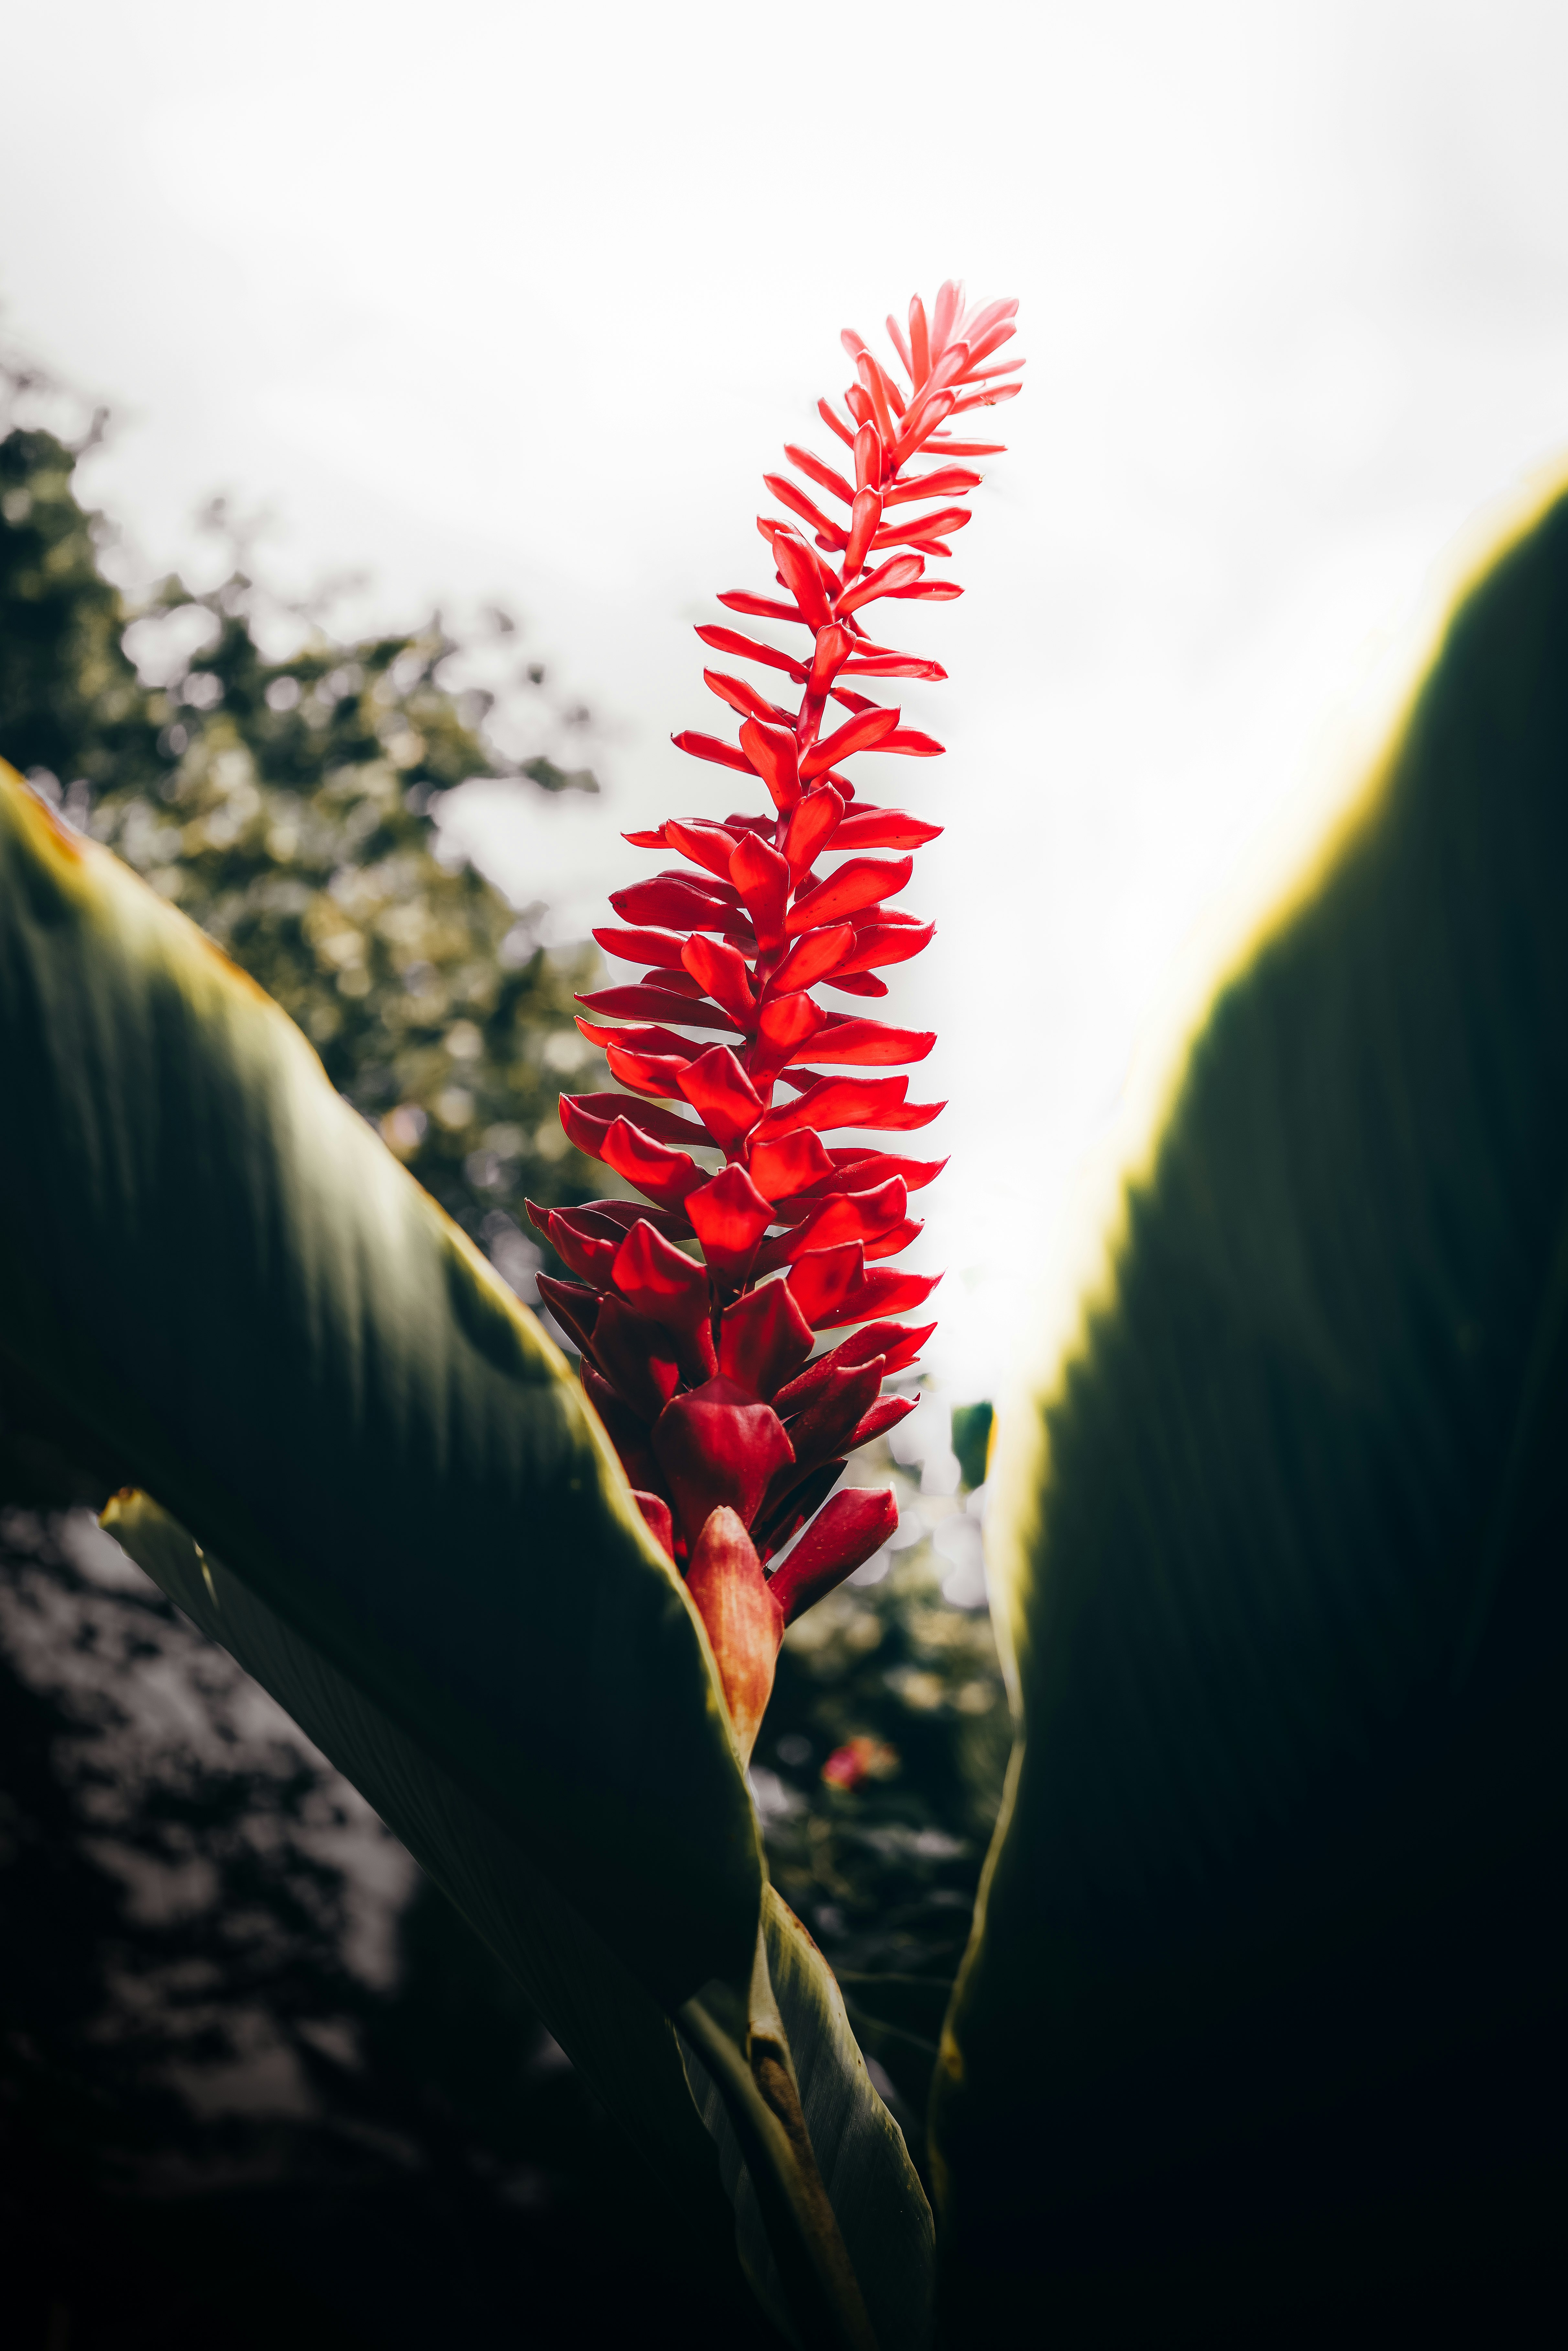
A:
x: 284, y: 795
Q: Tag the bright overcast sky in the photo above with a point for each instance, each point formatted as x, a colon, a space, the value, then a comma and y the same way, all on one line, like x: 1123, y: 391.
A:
x: 503, y: 299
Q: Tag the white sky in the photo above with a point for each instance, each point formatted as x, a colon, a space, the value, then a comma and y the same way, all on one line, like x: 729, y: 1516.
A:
x: 506, y: 299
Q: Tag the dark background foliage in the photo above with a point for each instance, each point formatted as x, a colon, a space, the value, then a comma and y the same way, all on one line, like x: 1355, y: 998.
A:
x: 259, y: 2084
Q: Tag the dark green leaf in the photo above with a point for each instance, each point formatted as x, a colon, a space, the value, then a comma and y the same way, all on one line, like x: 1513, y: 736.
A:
x: 213, y: 1264
x: 1263, y: 2034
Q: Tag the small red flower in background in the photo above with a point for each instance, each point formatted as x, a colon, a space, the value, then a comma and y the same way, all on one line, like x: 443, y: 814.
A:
x: 859, y: 1759
x: 731, y: 1432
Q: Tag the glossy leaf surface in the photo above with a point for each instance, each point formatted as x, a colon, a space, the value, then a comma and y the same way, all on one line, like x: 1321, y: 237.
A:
x: 209, y: 1261
x: 1263, y: 2030
x: 875, y: 2193
x: 605, y: 2020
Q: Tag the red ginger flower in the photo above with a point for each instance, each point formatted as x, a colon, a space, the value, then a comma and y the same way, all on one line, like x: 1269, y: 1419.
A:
x: 731, y: 1433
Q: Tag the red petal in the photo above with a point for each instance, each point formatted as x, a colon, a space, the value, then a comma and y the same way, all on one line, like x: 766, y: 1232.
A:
x: 814, y: 954
x: 707, y: 845
x: 656, y: 1512
x: 780, y: 1170
x: 942, y: 482
x: 924, y: 527
x: 676, y: 983
x: 592, y: 1259
x: 656, y: 1040
x: 796, y: 501
x: 880, y: 943
x: 890, y: 390
x: 761, y: 608
x: 762, y: 878
x: 951, y: 448
x: 597, y: 1113
x: 988, y: 398
x: 667, y: 1177
x: 833, y: 425
x: 821, y: 1280
x: 642, y: 946
x: 874, y: 827
x: 913, y: 746
x: 656, y: 1004
x: 790, y: 1504
x: 576, y: 1309
x: 884, y: 1414
x: 723, y: 973
x: 849, y: 1216
x: 708, y: 746
x: 676, y: 903
x: 771, y: 751
x: 842, y: 1537
x: 834, y: 646
x: 887, y: 666
x: 646, y: 840
x: 896, y: 1342
x: 928, y: 592
x: 638, y: 1358
x: 866, y: 1044
x: 811, y: 828
x: 863, y: 526
x: 730, y: 641
x: 877, y: 388
x: 653, y: 1073
x: 729, y: 1216
x: 931, y: 410
x: 950, y: 366
x: 870, y: 1103
x: 896, y: 336
x: 786, y: 1025
x: 743, y: 1621
x: 885, y: 580
x: 627, y: 1430
x: 718, y: 1444
x: 857, y: 734
x: 994, y: 313
x: 797, y: 569
x: 623, y: 1214
x: 837, y: 1406
x: 823, y: 476
x: 882, y: 1291
x: 919, y: 339
x: 869, y: 459
x: 857, y: 1171
x: 763, y: 1337
x: 722, y: 1096
x: 659, y: 1280
x: 744, y: 698
x: 860, y: 882
x: 892, y: 1244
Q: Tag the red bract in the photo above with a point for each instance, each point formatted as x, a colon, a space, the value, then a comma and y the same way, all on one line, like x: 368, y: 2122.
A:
x: 702, y: 1369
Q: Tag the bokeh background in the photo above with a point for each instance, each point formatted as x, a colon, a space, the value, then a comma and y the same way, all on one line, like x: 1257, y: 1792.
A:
x: 481, y: 324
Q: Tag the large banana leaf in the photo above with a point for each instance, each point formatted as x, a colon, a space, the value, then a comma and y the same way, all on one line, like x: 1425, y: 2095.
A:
x: 1262, y: 2034
x: 379, y: 1486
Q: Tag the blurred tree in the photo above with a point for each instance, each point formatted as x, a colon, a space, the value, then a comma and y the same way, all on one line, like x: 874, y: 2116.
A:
x: 286, y: 800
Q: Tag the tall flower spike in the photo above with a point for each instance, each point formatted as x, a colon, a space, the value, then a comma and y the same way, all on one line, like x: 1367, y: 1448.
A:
x: 732, y: 1429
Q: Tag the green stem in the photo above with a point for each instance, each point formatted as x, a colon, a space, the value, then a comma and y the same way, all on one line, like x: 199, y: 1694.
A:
x: 742, y: 2042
